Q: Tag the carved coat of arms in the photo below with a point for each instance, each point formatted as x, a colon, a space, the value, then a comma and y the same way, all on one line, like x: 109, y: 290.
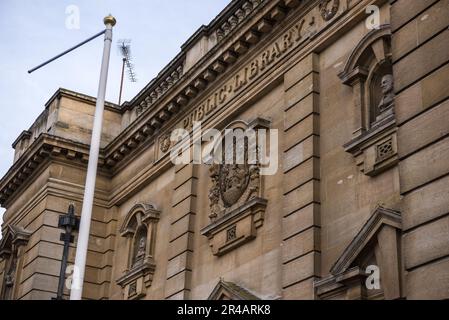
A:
x: 237, y: 206
x: 232, y: 185
x: 233, y: 182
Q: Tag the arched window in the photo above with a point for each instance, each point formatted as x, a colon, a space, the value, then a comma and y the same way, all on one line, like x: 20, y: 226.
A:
x: 139, y: 231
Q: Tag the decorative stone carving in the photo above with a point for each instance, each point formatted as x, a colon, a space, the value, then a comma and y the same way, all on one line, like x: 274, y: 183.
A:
x: 9, y: 279
x: 254, y: 181
x: 384, y: 150
x: 233, y: 182
x: 327, y: 13
x: 214, y: 192
x: 387, y: 92
x: 12, y: 246
x: 235, y: 199
x: 240, y: 14
x: 231, y: 185
x: 256, y: 3
x: 159, y: 89
x: 220, y: 34
x: 376, y: 151
x: 231, y: 233
x: 140, y: 253
x: 139, y: 230
x: 226, y: 27
x: 236, y: 17
x: 247, y: 7
x: 237, y: 227
x: 165, y: 143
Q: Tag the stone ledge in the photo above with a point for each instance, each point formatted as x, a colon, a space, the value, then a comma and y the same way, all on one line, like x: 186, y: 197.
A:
x: 377, y: 150
x: 244, y: 221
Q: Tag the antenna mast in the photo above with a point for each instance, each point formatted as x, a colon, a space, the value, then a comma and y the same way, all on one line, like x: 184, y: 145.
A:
x: 125, y: 50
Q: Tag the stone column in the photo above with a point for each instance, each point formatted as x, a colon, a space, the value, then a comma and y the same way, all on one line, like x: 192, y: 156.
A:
x: 301, y: 201
x: 358, y: 87
x: 179, y: 269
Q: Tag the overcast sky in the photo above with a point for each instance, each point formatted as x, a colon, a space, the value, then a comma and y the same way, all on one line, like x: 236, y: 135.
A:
x: 34, y: 31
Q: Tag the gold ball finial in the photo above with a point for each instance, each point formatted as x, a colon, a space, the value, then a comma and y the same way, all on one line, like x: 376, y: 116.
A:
x: 109, y: 20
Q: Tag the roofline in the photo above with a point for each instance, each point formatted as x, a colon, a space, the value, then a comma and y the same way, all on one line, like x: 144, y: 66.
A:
x: 201, y: 31
x: 81, y: 96
x: 20, y: 137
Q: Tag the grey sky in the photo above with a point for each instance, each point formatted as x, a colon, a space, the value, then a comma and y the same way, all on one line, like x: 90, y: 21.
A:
x: 33, y: 31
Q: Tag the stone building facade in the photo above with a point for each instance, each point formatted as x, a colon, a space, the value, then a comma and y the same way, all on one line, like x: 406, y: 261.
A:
x: 358, y: 93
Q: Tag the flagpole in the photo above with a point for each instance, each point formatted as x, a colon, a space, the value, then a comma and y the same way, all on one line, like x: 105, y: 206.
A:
x: 86, y: 212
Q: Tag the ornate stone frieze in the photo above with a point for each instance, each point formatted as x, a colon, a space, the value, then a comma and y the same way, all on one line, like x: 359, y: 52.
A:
x: 236, y: 17
x: 243, y: 78
x: 387, y: 87
x: 159, y: 89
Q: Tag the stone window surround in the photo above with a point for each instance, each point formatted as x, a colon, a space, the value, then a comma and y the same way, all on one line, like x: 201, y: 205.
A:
x: 370, y: 134
x: 139, y: 276
x: 380, y: 236
x: 12, y: 246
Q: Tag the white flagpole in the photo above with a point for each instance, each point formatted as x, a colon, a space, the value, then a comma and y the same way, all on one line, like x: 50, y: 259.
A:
x: 86, y: 212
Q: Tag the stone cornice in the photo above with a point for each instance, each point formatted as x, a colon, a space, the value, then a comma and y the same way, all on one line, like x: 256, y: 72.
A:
x: 207, y: 70
x: 232, y: 15
x: 44, y: 147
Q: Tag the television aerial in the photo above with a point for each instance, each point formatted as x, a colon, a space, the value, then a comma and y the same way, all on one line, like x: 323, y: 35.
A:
x: 124, y: 46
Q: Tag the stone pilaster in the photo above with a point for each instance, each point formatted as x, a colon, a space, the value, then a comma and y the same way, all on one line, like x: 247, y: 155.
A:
x: 301, y: 201
x: 421, y: 70
x: 179, y: 270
